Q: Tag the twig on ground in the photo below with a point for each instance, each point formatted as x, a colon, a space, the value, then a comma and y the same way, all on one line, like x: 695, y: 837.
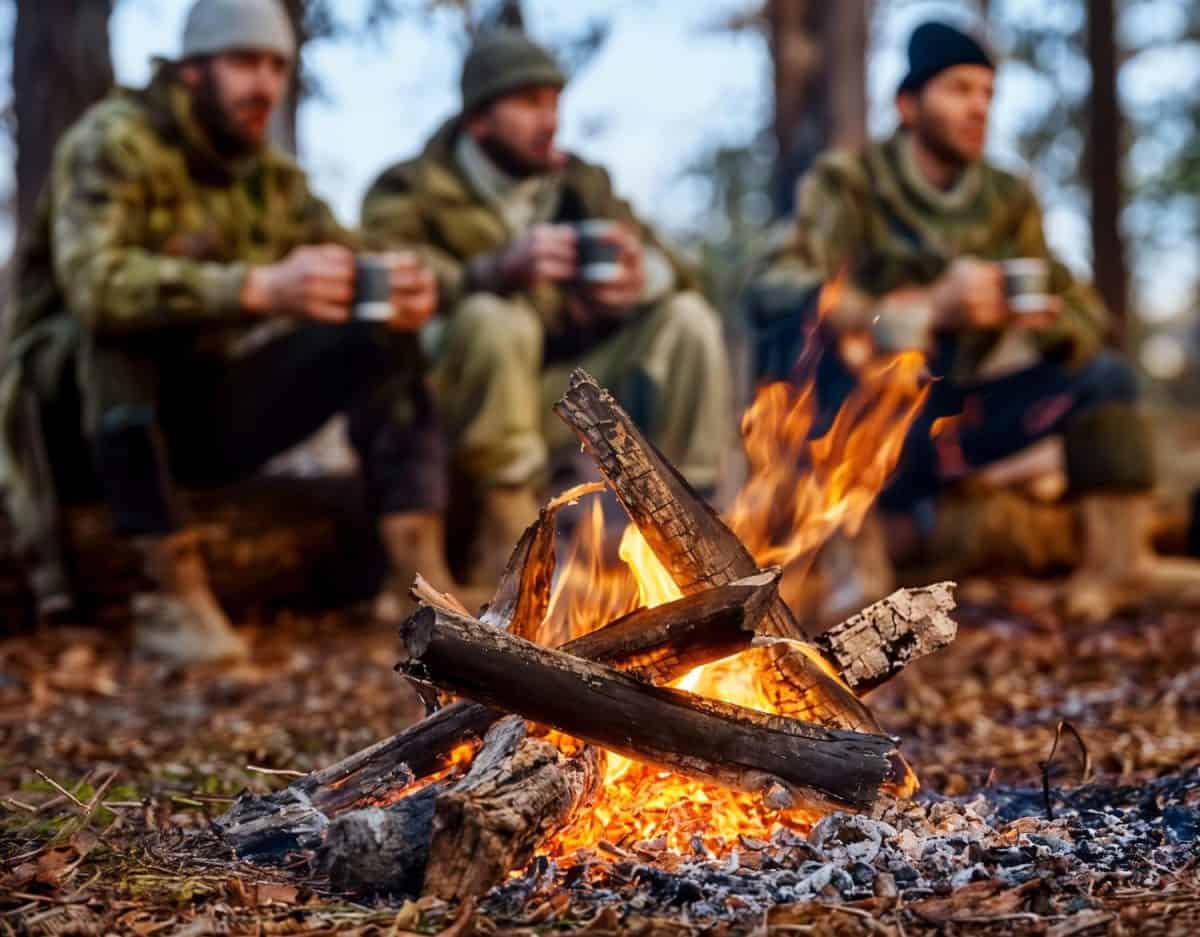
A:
x: 62, y: 790
x: 282, y: 772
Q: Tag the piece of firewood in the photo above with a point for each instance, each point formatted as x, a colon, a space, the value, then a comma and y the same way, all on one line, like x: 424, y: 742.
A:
x: 878, y: 642
x: 455, y: 838
x: 697, y: 549
x: 523, y: 594
x: 518, y: 792
x: 791, y: 761
x: 658, y: 644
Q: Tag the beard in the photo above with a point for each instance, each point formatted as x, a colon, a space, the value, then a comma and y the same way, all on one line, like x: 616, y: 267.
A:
x: 218, y: 118
x: 936, y: 138
x: 512, y: 162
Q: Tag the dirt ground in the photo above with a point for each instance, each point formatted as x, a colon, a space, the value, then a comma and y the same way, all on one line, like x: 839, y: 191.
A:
x: 110, y: 770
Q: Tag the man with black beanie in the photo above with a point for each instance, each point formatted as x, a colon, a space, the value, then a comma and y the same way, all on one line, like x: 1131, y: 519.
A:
x: 923, y: 232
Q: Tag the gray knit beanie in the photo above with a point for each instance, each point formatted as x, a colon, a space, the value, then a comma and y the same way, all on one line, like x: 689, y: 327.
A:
x: 504, y: 60
x: 215, y: 26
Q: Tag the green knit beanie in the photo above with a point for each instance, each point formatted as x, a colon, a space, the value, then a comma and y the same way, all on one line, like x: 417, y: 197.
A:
x: 504, y: 60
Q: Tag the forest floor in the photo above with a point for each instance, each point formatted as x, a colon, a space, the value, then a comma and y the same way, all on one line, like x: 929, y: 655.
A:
x: 111, y: 770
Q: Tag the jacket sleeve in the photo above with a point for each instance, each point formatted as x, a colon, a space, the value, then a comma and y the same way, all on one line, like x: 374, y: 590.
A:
x: 98, y: 215
x: 392, y: 218
x: 829, y: 222
x: 1083, y: 323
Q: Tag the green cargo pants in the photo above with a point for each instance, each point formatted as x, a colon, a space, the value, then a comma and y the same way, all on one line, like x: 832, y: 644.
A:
x: 667, y: 366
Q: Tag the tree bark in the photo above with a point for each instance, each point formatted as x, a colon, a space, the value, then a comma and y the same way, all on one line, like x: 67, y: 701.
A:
x: 457, y: 839
x: 818, y: 61
x: 876, y: 644
x: 1105, y: 140
x: 790, y: 761
x: 696, y: 547
x: 518, y: 792
x: 61, y: 65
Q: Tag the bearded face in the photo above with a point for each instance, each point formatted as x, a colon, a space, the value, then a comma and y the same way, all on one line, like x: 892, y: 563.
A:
x: 517, y: 131
x: 949, y: 115
x: 235, y: 94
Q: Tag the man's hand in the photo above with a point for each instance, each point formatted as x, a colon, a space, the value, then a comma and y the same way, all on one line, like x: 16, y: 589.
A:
x: 970, y: 294
x: 414, y: 291
x: 312, y: 282
x: 627, y: 288
x: 544, y: 252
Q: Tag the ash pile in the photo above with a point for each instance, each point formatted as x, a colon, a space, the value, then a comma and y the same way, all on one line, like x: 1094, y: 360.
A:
x: 976, y: 859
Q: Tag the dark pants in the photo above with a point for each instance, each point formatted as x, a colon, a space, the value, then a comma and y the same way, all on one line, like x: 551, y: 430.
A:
x: 158, y: 411
x: 994, y: 419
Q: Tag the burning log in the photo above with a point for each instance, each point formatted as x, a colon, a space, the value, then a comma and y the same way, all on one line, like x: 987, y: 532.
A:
x: 518, y: 792
x: 657, y: 644
x: 697, y: 549
x: 791, y: 761
x: 455, y: 839
x: 877, y: 643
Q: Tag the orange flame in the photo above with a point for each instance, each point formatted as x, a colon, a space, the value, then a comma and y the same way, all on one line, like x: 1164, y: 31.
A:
x: 799, y: 492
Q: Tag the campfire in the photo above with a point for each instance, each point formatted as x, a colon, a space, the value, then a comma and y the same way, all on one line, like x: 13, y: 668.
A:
x: 673, y: 701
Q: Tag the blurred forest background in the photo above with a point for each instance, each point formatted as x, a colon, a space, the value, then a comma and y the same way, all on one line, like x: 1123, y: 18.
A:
x: 1100, y: 99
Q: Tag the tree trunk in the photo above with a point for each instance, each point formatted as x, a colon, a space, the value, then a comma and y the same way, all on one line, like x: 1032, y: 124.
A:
x: 61, y: 65
x: 1106, y: 127
x: 285, y: 119
x: 818, y: 56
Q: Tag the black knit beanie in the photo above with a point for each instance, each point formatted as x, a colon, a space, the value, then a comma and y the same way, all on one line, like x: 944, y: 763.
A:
x: 934, y: 47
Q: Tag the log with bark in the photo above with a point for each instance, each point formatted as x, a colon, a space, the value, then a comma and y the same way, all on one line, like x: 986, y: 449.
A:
x: 876, y: 644
x: 792, y: 761
x: 456, y: 839
x: 660, y: 644
x: 697, y: 549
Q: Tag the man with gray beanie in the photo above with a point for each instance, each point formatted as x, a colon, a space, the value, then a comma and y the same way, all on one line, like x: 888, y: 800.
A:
x: 187, y: 290
x: 510, y: 224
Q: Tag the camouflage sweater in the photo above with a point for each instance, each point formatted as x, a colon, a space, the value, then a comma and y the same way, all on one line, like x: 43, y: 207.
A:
x: 428, y: 202
x: 144, y: 226
x: 871, y: 215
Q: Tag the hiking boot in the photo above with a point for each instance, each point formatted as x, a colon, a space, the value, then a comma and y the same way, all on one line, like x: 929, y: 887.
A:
x: 1119, y: 567
x: 507, y: 511
x: 415, y: 543
x: 181, y: 621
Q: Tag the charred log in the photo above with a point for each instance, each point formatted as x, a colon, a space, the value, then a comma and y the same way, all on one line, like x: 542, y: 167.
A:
x: 696, y: 548
x: 518, y: 792
x: 458, y: 838
x: 739, y: 748
x: 657, y: 644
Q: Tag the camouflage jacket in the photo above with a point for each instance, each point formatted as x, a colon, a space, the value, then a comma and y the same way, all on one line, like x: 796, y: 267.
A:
x: 143, y: 225
x: 429, y: 203
x: 870, y: 215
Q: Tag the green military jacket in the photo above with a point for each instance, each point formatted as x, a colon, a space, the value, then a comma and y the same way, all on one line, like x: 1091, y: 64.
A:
x: 143, y: 225
x: 871, y: 216
x: 428, y: 203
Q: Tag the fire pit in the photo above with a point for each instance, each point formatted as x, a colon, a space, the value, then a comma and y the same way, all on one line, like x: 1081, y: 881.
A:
x: 702, y: 726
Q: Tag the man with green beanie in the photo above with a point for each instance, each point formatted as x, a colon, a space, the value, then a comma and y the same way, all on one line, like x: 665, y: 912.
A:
x: 497, y: 208
x: 919, y: 228
x: 186, y: 298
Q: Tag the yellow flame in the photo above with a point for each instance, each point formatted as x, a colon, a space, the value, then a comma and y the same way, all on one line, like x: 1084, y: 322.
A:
x: 799, y: 492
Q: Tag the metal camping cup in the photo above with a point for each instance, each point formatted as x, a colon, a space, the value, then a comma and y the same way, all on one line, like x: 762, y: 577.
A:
x: 598, y: 257
x: 372, y: 289
x: 1026, y: 283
